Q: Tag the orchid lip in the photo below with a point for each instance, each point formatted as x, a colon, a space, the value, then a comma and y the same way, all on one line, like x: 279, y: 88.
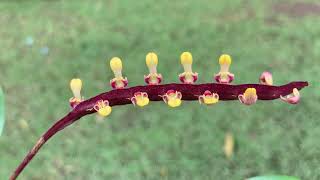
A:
x: 188, y: 77
x: 74, y: 102
x: 118, y: 83
x: 224, y: 77
x: 153, y: 79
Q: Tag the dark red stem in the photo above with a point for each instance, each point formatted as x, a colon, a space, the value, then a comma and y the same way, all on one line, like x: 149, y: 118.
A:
x: 189, y: 92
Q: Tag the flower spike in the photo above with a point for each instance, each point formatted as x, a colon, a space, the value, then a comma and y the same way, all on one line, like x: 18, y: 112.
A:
x: 224, y: 76
x: 172, y: 98
x: 75, y: 85
x: 118, y: 82
x: 187, y: 77
x: 249, y: 97
x: 140, y: 98
x: 293, y: 98
x: 102, y: 107
x: 153, y: 78
x: 266, y: 78
x: 208, y: 98
x: 171, y: 94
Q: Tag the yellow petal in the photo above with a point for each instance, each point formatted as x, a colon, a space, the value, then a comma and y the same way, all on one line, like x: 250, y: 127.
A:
x: 105, y: 111
x: 174, y: 102
x: 142, y: 101
x: 250, y: 92
x: 210, y: 100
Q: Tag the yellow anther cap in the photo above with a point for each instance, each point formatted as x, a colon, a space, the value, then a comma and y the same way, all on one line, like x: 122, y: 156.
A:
x: 225, y: 59
x: 116, y: 64
x: 76, y: 84
x: 151, y: 59
x: 186, y: 58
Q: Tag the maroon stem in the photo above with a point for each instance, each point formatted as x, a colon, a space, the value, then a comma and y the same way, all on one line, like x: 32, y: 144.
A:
x: 189, y: 92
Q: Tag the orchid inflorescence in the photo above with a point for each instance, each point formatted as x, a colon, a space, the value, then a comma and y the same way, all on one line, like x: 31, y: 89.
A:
x: 173, y: 97
x: 173, y: 94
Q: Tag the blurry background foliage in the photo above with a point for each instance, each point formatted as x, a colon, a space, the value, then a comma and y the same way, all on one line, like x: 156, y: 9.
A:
x: 43, y: 44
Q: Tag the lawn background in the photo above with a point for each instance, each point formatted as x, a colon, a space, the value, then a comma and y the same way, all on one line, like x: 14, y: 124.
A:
x: 157, y: 142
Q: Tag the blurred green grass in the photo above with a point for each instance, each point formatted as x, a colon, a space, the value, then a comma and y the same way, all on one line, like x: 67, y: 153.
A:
x: 157, y: 142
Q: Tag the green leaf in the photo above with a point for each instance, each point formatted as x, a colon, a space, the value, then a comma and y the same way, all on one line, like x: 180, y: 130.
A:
x: 273, y: 177
x: 1, y: 111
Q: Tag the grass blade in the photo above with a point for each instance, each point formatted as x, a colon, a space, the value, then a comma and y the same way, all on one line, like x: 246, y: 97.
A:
x: 1, y: 111
x: 273, y: 178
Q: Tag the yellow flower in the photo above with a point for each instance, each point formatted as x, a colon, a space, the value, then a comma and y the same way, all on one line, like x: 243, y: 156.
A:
x: 172, y: 98
x: 249, y: 97
x: 118, y: 81
x: 140, y: 98
x: 187, y: 77
x: 153, y: 78
x: 224, y: 76
x: 102, y: 107
x: 209, y: 98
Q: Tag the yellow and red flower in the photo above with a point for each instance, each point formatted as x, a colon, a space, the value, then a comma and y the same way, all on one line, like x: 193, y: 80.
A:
x: 153, y: 78
x: 249, y: 97
x: 102, y: 107
x: 140, y: 98
x: 187, y: 77
x: 172, y: 98
x: 208, y: 98
x: 118, y: 82
x: 75, y: 85
x: 224, y: 76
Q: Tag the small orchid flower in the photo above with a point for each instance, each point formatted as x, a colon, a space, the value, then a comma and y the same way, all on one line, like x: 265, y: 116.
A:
x: 153, y: 78
x: 118, y: 82
x: 187, y: 77
x: 293, y: 98
x: 224, y: 76
x: 102, y: 107
x: 208, y: 98
x: 75, y: 85
x: 249, y: 97
x: 172, y: 98
x: 140, y: 98
x: 266, y: 78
